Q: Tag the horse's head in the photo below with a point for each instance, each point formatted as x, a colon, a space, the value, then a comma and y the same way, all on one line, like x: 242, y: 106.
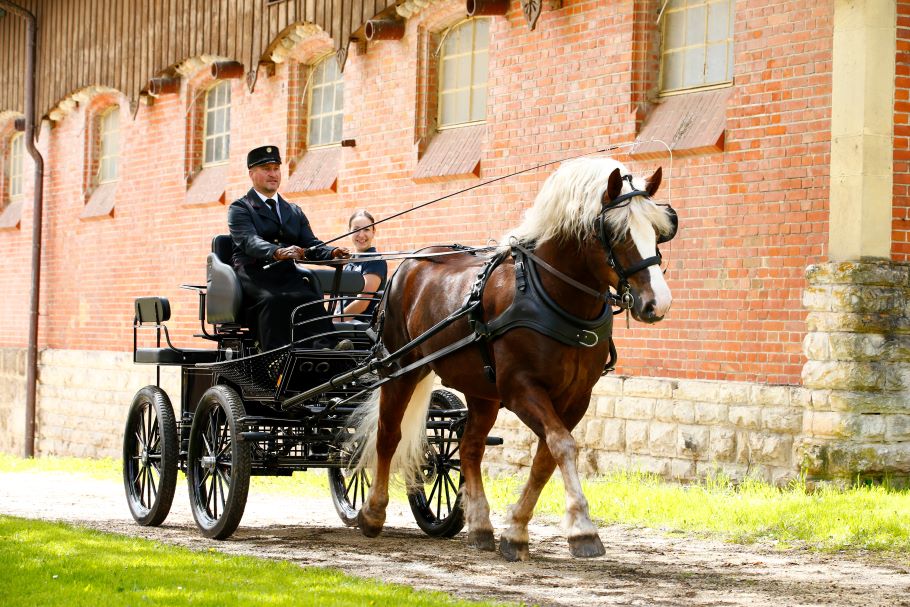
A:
x: 630, y: 227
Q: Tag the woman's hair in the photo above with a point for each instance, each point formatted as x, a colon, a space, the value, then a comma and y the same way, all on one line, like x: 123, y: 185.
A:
x: 360, y: 213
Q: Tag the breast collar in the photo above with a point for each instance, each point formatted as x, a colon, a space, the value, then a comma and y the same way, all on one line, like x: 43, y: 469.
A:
x: 533, y: 308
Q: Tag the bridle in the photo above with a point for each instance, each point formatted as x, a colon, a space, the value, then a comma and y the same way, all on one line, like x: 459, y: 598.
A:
x: 624, y: 300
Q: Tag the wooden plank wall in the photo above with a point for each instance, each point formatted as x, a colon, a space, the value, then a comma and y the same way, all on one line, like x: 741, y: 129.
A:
x: 123, y: 43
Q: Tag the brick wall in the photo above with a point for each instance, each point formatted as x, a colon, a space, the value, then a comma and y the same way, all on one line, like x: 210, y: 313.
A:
x: 753, y: 217
x: 900, y: 233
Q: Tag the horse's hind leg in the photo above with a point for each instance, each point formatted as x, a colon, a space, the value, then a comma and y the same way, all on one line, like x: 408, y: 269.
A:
x: 481, y: 417
x: 394, y: 399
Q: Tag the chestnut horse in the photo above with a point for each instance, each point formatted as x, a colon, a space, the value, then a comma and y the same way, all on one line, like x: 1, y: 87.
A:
x: 594, y: 223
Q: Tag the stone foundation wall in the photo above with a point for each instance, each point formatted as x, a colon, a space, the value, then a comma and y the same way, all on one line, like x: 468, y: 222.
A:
x: 858, y: 370
x: 678, y: 429
x: 12, y: 400
x: 83, y: 399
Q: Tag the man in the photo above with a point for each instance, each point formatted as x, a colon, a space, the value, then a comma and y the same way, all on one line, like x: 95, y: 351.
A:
x: 269, y: 234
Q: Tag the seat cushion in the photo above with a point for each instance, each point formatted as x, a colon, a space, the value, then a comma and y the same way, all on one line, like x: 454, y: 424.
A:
x: 170, y: 356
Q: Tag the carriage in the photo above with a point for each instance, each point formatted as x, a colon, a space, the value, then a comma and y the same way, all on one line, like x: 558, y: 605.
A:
x: 243, y: 412
x: 527, y: 326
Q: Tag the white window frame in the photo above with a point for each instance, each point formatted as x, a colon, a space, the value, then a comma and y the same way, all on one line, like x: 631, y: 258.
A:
x: 109, y: 145
x: 216, y: 119
x: 15, y: 167
x: 468, y: 90
x: 316, y: 117
x: 674, y: 10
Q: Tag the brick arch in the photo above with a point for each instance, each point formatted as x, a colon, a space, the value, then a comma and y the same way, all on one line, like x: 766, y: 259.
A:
x: 197, y: 80
x: 7, y: 130
x: 100, y: 102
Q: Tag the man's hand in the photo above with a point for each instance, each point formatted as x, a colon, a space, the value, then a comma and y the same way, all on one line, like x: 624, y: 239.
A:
x: 292, y: 252
x: 340, y: 253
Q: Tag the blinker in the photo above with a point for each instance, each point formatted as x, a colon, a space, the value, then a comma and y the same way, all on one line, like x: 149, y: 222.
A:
x: 674, y: 223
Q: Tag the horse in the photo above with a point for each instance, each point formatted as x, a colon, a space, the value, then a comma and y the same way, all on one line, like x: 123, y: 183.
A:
x: 592, y: 225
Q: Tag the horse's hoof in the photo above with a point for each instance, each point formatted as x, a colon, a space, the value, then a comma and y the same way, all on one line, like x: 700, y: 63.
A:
x: 586, y: 546
x: 366, y: 527
x: 482, y: 540
x: 513, y: 551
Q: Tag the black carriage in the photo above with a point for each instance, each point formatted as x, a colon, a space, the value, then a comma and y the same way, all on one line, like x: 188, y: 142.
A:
x: 243, y: 412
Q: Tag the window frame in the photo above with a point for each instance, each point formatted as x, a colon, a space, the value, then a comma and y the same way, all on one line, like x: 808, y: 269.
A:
x: 442, y: 58
x: 209, y: 138
x: 104, y: 152
x: 311, y: 85
x: 15, y: 172
x: 703, y: 45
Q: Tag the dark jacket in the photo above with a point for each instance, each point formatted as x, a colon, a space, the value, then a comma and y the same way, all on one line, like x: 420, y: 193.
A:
x: 257, y: 234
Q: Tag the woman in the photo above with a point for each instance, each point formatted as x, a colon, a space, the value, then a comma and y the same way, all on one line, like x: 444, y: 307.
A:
x: 374, y: 270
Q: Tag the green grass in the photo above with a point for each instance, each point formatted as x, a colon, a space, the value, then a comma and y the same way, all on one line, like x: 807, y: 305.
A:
x: 53, y: 564
x: 856, y: 518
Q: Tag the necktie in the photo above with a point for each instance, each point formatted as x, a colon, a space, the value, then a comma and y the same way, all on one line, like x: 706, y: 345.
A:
x: 274, y: 206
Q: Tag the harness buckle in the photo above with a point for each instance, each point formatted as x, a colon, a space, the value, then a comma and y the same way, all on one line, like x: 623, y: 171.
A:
x: 584, y: 336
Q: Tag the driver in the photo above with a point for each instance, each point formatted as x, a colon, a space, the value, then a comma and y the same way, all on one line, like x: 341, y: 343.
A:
x: 269, y: 234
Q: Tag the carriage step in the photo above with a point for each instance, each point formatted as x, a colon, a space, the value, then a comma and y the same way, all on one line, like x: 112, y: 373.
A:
x: 494, y: 441
x: 252, y: 437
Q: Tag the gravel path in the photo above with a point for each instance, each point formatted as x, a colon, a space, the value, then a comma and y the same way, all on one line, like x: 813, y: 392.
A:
x: 641, y: 567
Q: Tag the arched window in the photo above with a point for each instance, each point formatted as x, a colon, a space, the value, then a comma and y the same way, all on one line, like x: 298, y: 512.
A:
x: 217, y: 139
x: 325, y: 103
x: 463, y: 67
x: 109, y: 137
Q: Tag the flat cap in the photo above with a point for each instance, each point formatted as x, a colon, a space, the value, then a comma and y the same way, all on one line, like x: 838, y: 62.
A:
x: 263, y: 155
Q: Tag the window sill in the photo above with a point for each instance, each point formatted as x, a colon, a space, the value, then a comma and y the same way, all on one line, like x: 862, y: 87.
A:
x: 208, y: 186
x: 691, y: 123
x: 452, y: 154
x: 12, y: 215
x: 317, y: 172
x: 100, y: 204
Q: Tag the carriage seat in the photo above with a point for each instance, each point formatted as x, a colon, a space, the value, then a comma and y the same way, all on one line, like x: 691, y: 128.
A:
x: 224, y: 296
x: 153, y: 312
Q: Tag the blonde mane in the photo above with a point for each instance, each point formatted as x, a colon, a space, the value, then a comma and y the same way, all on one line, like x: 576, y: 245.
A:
x: 571, y: 199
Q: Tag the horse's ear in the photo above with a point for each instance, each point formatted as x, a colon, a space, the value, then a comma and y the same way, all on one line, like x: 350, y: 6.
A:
x: 654, y: 182
x: 614, y: 187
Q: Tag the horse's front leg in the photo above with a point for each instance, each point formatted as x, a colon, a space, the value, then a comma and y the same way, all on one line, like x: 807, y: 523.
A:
x: 481, y: 417
x: 513, y: 544
x: 537, y: 412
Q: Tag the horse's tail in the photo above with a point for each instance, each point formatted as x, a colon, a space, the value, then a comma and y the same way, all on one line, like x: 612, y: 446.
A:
x: 410, y: 454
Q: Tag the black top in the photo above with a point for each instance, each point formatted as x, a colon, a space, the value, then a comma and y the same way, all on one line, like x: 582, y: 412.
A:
x: 377, y: 267
x: 257, y: 234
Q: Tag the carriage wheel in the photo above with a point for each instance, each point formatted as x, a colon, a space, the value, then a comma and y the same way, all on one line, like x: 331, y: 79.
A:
x: 349, y: 491
x: 218, y: 463
x: 436, y: 500
x: 150, y: 453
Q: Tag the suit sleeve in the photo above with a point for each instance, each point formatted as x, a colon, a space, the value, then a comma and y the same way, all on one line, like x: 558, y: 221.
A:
x: 316, y: 250
x: 244, y: 235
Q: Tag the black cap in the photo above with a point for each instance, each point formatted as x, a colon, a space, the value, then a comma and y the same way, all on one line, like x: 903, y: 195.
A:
x: 263, y: 155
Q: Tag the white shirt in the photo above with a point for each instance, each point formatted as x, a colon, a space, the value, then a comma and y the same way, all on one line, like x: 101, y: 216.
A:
x: 275, y: 198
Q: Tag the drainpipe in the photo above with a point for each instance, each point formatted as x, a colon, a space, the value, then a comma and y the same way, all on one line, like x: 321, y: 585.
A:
x: 31, y: 379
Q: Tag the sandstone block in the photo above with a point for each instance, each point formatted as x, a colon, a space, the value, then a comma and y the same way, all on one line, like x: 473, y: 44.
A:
x: 663, y: 438
x: 856, y: 346
x: 745, y: 417
x: 770, y: 396
x: 722, y: 444
x: 815, y: 346
x: 693, y: 441
x: 782, y: 419
x: 613, y: 435
x: 682, y: 469
x: 851, y: 376
x: 609, y: 385
x: 684, y: 411
x: 828, y: 423
x: 865, y: 427
x: 712, y: 392
x: 637, y: 436
x: 604, y: 406
x: 709, y: 413
x: 608, y: 462
x: 647, y: 387
x: 651, y: 465
x: 897, y: 428
x: 664, y: 410
x: 631, y: 407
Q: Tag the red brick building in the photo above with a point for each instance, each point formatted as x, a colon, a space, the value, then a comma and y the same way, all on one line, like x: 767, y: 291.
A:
x: 782, y: 159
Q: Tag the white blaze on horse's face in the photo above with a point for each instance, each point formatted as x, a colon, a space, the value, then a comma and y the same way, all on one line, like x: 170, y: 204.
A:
x: 645, y: 240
